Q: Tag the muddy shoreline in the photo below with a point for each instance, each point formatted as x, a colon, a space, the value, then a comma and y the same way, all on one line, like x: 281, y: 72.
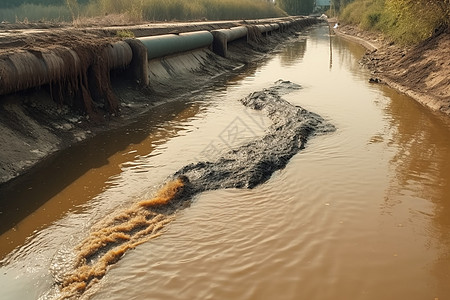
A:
x: 420, y: 71
x: 33, y: 126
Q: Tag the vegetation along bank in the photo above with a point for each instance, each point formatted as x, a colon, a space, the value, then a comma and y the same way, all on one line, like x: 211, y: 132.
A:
x: 409, y: 45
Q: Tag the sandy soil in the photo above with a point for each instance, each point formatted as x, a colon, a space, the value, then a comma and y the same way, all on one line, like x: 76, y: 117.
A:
x: 421, y: 71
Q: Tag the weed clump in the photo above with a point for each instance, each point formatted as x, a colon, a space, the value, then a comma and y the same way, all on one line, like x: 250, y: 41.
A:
x: 125, y: 34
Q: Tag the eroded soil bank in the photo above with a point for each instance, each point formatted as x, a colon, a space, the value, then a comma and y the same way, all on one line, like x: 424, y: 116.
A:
x: 34, y: 123
x: 421, y: 71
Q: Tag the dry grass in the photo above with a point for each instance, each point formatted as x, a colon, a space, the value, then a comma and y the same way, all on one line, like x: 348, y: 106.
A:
x: 35, y: 13
x: 156, y: 10
x: 120, y: 12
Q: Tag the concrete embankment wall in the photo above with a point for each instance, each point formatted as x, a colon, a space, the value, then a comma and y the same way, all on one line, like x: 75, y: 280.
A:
x: 49, y: 99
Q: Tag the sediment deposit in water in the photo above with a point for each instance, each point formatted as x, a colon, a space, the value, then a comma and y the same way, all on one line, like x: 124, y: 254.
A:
x: 247, y: 166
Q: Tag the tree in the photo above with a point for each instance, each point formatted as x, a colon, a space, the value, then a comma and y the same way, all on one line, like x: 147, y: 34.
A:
x: 297, y: 7
x: 337, y: 5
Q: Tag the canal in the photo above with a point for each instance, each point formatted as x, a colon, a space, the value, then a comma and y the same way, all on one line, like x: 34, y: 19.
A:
x: 361, y: 213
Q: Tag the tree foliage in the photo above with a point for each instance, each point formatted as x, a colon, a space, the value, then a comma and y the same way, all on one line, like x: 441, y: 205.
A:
x: 410, y: 10
x: 297, y: 7
x: 338, y: 5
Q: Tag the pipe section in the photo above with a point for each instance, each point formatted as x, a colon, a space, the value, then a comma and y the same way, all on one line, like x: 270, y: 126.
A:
x: 139, y: 63
x: 162, y: 45
x: 118, y: 55
x: 223, y: 36
x: 28, y: 69
x: 62, y: 65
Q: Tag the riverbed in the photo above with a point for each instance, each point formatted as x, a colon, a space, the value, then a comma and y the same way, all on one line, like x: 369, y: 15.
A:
x: 361, y: 213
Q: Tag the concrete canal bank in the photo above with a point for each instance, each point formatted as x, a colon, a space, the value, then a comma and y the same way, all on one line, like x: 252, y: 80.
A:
x: 62, y: 86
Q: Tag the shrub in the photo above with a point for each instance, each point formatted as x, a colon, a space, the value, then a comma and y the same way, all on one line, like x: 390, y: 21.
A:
x: 405, y: 21
x: 125, y: 34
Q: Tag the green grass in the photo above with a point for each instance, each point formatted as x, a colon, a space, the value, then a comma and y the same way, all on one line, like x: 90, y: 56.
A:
x: 125, y: 34
x: 365, y: 13
x: 404, y: 21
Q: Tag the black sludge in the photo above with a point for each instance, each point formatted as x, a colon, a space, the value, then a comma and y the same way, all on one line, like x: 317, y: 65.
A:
x: 254, y: 163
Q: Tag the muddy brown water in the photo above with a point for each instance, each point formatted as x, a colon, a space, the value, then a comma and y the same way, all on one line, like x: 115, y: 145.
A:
x: 360, y: 213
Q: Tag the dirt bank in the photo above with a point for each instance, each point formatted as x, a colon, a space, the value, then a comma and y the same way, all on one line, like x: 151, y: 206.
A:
x: 422, y: 71
x: 38, y: 122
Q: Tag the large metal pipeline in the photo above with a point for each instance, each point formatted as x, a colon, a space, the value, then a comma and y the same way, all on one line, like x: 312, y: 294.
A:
x: 223, y: 36
x: 275, y: 26
x: 33, y: 68
x: 118, y: 55
x: 28, y: 69
x: 163, y: 45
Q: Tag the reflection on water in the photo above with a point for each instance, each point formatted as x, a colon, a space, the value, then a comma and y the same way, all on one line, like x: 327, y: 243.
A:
x: 362, y: 213
x: 421, y: 165
x: 422, y: 162
x: 77, y: 175
x: 294, y: 53
x: 345, y: 53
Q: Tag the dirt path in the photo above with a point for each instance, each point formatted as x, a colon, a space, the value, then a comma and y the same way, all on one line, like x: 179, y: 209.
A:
x: 422, y: 71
